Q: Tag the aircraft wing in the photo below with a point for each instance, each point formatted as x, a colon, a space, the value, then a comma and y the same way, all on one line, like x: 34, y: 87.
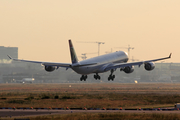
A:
x: 66, y: 65
x: 122, y: 65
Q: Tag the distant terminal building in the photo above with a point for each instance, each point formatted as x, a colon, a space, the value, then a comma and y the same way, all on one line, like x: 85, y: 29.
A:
x: 12, y: 51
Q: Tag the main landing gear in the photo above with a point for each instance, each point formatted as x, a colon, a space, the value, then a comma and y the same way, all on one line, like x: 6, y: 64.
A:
x: 83, y: 77
x: 111, y: 76
x: 96, y: 76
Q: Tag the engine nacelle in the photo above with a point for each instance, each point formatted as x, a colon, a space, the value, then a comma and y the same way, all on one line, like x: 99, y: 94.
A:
x: 49, y: 68
x: 149, y: 66
x: 128, y: 69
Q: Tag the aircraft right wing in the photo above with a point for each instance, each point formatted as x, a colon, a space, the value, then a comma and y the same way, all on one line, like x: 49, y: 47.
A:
x: 66, y: 65
x: 122, y: 65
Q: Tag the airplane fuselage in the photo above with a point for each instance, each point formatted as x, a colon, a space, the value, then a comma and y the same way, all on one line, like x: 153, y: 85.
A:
x: 102, y: 62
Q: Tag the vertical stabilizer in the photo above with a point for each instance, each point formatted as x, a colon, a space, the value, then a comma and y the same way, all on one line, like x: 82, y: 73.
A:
x: 73, y: 53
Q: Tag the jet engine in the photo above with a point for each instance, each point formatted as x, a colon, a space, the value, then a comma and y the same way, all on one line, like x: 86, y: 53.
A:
x: 49, y: 68
x: 128, y: 69
x: 149, y: 66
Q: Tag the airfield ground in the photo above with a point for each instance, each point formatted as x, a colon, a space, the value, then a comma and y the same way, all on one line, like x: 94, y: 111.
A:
x: 84, y: 95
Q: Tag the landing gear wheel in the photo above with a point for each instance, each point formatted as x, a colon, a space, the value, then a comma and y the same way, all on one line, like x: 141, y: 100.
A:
x: 97, y: 77
x: 83, y: 77
x: 111, y: 77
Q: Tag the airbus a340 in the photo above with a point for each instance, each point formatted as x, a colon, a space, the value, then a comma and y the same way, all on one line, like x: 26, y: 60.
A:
x: 100, y: 64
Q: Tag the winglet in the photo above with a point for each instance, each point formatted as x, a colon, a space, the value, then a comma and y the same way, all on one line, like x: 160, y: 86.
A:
x: 170, y: 55
x: 9, y: 56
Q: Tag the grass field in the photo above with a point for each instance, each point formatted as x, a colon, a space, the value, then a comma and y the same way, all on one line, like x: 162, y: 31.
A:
x: 113, y: 95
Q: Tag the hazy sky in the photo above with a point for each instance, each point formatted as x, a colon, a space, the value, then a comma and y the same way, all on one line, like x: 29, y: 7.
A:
x: 41, y: 28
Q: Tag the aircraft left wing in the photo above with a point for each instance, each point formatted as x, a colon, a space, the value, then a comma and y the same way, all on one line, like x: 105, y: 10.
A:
x: 66, y: 65
x: 122, y: 65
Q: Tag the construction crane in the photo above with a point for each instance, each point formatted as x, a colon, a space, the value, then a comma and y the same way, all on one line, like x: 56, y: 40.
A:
x: 128, y: 48
x: 99, y: 43
x: 84, y: 55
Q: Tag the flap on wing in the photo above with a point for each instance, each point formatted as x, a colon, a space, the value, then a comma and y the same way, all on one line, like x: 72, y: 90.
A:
x: 56, y: 64
x: 121, y: 65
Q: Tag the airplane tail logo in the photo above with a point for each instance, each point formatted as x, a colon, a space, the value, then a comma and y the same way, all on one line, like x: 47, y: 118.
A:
x: 73, y: 53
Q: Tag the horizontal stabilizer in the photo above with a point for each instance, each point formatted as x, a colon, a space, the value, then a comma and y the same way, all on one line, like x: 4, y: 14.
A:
x: 9, y: 56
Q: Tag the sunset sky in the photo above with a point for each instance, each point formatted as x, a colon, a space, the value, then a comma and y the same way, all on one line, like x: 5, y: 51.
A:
x: 41, y: 28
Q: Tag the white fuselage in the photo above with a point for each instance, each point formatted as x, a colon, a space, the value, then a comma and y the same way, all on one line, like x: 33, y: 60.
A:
x: 101, y: 63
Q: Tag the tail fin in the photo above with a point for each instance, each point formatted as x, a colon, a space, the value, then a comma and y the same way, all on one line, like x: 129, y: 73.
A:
x: 73, y: 53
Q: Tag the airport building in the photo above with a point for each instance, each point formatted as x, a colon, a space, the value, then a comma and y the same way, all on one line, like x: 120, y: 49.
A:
x: 4, y: 51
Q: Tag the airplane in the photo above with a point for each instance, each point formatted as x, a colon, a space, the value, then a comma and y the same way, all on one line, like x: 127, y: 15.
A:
x: 26, y: 80
x: 100, y: 64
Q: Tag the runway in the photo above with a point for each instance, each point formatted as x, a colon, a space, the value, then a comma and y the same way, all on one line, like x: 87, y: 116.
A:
x: 33, y: 112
